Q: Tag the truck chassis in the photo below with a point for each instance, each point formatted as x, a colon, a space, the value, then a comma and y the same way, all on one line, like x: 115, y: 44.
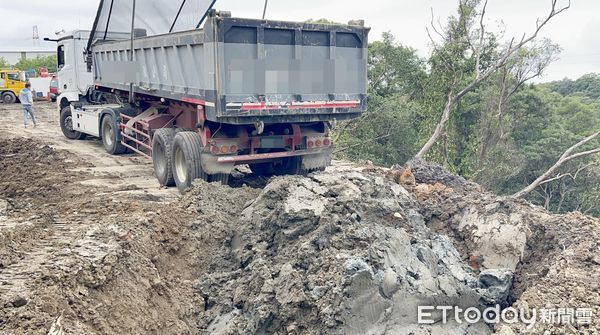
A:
x: 184, y: 146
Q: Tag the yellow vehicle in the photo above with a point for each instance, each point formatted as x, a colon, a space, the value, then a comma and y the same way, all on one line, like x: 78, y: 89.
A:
x: 11, y: 84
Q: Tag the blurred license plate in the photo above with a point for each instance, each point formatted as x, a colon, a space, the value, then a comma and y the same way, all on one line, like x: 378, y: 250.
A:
x: 272, y: 142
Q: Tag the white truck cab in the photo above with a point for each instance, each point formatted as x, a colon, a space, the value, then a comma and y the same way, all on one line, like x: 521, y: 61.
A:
x: 74, y: 80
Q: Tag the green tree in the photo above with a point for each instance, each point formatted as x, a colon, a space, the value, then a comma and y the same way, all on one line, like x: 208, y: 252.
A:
x: 386, y: 134
x: 501, y: 131
x: 48, y: 62
x: 588, y: 86
x: 394, y: 69
x: 539, y: 126
x: 3, y: 63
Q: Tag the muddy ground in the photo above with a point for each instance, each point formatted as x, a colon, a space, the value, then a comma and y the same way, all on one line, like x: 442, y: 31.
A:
x: 89, y: 244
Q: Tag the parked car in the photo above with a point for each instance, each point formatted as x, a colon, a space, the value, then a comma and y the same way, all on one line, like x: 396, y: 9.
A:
x: 54, y: 88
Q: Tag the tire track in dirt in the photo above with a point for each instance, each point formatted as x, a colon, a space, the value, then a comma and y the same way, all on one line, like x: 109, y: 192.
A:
x: 60, y: 225
x: 130, y: 175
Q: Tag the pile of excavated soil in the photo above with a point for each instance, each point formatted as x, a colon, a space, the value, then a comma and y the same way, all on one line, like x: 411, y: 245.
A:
x: 338, y: 253
x: 554, y: 257
x: 32, y: 176
x: 32, y: 169
x: 357, y: 253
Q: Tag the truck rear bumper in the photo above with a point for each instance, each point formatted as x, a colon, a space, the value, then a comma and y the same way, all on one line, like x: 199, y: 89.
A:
x: 239, y: 159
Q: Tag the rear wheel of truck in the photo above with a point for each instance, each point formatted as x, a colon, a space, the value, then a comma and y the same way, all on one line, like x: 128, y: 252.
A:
x: 186, y: 160
x: 291, y: 166
x: 66, y: 125
x: 109, y: 131
x: 287, y: 166
x: 262, y: 169
x: 9, y: 98
x: 162, y: 144
x: 222, y: 178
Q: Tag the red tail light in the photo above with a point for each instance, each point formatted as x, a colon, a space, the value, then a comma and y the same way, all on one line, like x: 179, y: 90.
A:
x: 223, y: 147
x: 317, y: 141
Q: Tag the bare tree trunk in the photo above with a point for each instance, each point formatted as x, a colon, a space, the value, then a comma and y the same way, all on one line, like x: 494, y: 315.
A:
x: 563, y: 193
x: 439, y: 129
x: 547, y: 198
x: 566, y: 156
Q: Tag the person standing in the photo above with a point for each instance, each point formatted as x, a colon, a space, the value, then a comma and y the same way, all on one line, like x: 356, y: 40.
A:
x: 26, y: 97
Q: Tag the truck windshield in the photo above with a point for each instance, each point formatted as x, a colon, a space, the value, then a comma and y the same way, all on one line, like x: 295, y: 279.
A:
x: 152, y: 17
x: 16, y: 76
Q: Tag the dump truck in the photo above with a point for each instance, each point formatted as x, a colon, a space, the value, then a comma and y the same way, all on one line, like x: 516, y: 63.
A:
x: 199, y: 91
x: 11, y: 84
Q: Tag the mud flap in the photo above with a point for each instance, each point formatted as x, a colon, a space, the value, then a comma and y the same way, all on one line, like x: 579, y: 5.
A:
x: 211, y: 166
x: 318, y: 161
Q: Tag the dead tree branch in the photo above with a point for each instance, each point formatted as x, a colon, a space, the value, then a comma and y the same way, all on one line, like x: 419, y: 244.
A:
x: 573, y: 176
x: 567, y: 156
x: 480, y: 46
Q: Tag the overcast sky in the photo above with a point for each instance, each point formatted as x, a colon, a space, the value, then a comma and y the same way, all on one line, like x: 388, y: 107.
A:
x: 577, y: 31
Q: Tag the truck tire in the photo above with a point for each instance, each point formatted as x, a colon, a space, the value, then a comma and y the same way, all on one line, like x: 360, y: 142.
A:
x: 9, y: 98
x: 66, y: 125
x: 185, y: 160
x: 222, y: 178
x: 289, y: 166
x: 162, y: 144
x: 262, y: 169
x: 110, y: 139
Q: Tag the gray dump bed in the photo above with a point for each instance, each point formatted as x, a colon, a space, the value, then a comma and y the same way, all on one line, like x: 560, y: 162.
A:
x: 244, y: 70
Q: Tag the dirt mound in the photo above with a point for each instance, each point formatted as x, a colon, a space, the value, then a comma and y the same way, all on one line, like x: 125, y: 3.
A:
x: 26, y: 167
x: 43, y: 247
x: 336, y: 253
x: 554, y: 256
x: 430, y: 173
x: 356, y: 253
x: 78, y: 254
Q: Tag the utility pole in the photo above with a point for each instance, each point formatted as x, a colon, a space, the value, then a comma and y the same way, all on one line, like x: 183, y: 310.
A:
x: 36, y: 36
x: 265, y: 9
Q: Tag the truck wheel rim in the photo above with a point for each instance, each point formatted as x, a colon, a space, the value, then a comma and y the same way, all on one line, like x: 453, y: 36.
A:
x: 160, y: 159
x: 69, y: 123
x: 108, y: 135
x: 180, y: 166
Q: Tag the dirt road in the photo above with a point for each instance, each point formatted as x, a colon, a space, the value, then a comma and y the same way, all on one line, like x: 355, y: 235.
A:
x: 127, y: 174
x: 68, y: 218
